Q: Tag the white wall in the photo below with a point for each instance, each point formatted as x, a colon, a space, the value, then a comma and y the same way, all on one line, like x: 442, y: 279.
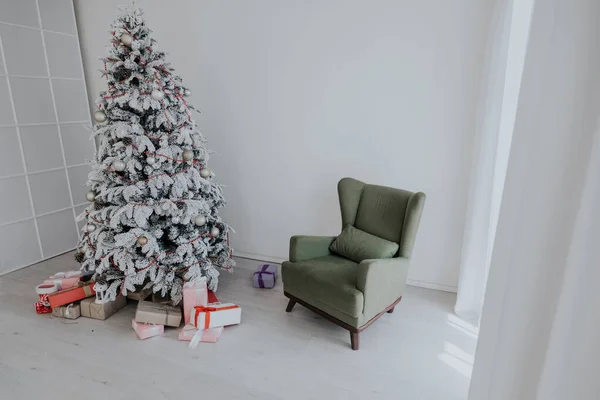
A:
x: 297, y: 94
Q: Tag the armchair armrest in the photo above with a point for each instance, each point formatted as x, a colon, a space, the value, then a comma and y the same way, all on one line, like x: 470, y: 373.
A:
x: 308, y: 247
x: 382, y: 282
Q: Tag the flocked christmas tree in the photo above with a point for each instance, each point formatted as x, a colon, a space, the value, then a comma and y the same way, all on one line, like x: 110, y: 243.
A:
x: 153, y: 219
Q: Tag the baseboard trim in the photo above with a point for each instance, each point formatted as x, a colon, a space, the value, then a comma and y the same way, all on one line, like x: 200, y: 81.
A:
x: 258, y: 257
x: 434, y: 286
x: 411, y: 282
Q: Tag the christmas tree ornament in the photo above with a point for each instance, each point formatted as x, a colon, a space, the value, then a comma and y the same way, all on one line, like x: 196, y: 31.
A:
x: 79, y: 257
x: 214, y: 231
x: 144, y: 179
x: 118, y: 165
x: 100, y: 116
x: 188, y: 155
x: 157, y: 95
x: 126, y: 39
x: 82, y: 250
x: 205, y: 172
x: 90, y: 196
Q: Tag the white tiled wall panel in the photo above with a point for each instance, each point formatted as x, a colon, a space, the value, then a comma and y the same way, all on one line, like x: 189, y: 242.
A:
x: 43, y: 140
x: 33, y: 100
x: 58, y: 233
x: 41, y: 147
x: 58, y: 16
x: 6, y: 112
x: 71, y: 100
x: 77, y: 180
x: 50, y: 191
x: 18, y: 245
x: 10, y: 155
x: 24, y: 51
x: 21, y: 12
x: 77, y: 143
x: 14, y: 201
x: 62, y: 50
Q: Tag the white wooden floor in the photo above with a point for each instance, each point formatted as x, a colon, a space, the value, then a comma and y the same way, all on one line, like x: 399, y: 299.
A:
x: 421, y: 351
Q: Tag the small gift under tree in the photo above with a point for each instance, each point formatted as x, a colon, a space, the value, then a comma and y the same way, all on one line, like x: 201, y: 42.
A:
x: 153, y: 215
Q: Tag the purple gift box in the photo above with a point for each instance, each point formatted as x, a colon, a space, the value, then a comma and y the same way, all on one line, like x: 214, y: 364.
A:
x: 265, y: 276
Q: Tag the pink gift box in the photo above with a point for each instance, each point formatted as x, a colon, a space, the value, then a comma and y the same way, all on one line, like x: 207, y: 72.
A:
x: 145, y: 331
x: 194, y: 336
x: 206, y: 335
x: 64, y: 280
x: 194, y: 294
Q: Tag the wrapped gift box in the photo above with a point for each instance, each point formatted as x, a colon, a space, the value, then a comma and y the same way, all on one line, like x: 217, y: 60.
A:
x: 145, y: 331
x: 194, y: 294
x: 64, y: 280
x: 140, y: 294
x: 159, y: 314
x: 43, y: 291
x: 265, y: 276
x: 194, y: 335
x: 71, y: 295
x: 91, y: 309
x: 215, y: 315
x: 72, y: 311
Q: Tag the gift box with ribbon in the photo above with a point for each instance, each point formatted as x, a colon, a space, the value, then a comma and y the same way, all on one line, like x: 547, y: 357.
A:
x: 91, y: 309
x: 265, y: 276
x: 159, y: 314
x: 71, y: 311
x: 191, y: 334
x: 145, y: 331
x: 64, y: 280
x: 194, y: 294
x: 79, y: 292
x: 215, y: 315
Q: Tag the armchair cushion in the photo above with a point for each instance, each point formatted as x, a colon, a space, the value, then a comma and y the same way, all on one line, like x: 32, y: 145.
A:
x: 359, y: 245
x: 329, y: 280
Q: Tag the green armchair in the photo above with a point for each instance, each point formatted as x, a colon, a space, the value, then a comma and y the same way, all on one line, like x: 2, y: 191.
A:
x: 351, y: 294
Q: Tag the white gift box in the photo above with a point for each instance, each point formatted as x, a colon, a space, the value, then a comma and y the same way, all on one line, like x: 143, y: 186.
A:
x: 215, y: 314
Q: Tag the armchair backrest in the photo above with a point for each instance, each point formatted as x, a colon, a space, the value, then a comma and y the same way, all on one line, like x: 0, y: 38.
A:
x: 391, y: 214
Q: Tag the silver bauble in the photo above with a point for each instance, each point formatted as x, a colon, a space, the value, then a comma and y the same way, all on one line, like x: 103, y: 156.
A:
x: 100, y: 116
x: 187, y: 92
x: 90, y: 196
x: 205, y: 172
x: 200, y: 220
x: 188, y: 155
x: 126, y: 39
x: 214, y: 232
x: 82, y: 250
x: 157, y: 95
x: 118, y: 165
x: 90, y: 227
x: 142, y: 240
x: 151, y: 160
x: 175, y: 220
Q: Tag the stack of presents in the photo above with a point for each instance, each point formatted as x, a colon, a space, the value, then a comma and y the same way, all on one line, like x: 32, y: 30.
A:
x: 71, y: 295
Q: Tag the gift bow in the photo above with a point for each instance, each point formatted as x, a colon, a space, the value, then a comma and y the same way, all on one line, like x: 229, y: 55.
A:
x: 261, y: 282
x: 207, y: 310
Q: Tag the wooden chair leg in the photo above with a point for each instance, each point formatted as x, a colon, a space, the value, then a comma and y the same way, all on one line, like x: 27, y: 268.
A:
x: 354, y: 340
x: 391, y: 310
x: 290, y: 305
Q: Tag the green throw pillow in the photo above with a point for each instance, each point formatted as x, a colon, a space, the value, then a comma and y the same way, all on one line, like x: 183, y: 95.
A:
x: 359, y: 245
